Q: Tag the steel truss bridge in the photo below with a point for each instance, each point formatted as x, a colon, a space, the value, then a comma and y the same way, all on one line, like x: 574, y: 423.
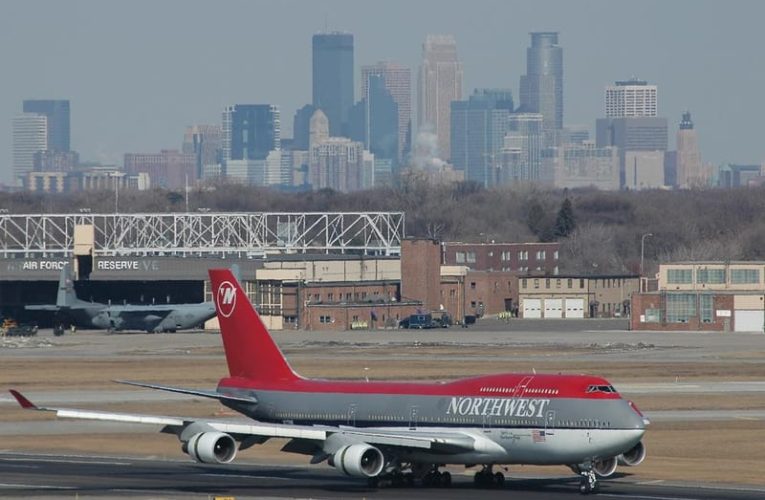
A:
x: 204, y: 233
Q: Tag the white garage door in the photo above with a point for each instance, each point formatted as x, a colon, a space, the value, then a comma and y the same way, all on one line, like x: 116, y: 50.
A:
x: 553, y: 308
x: 532, y: 308
x: 575, y: 308
x: 749, y: 321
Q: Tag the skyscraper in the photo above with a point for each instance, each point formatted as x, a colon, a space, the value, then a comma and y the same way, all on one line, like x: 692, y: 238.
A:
x: 381, y: 120
x: 439, y: 83
x: 301, y: 125
x: 398, y: 81
x: 689, y: 171
x: 541, y: 88
x: 333, y: 78
x: 30, y: 136
x: 57, y: 112
x: 478, y: 127
x: 524, y: 147
x: 250, y: 131
x: 631, y: 98
x: 318, y: 129
x: 204, y: 142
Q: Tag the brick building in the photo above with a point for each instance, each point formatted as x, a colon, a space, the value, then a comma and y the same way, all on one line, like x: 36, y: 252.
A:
x: 168, y: 169
x: 521, y: 258
x: 714, y: 295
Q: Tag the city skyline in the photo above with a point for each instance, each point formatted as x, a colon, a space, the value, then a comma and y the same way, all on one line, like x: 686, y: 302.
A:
x: 116, y: 109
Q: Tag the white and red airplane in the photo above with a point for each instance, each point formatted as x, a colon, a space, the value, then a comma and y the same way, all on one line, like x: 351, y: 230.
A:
x: 395, y: 431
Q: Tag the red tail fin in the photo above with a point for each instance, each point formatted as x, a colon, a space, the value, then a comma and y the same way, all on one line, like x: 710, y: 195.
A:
x: 250, y: 350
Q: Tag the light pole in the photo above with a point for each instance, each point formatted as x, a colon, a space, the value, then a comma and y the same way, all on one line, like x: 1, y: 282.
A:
x: 642, y: 251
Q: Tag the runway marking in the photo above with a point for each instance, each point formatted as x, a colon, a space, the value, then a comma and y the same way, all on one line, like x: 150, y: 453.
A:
x: 654, y: 481
x: 62, y: 460
x: 35, y: 486
x: 645, y: 497
x: 247, y: 476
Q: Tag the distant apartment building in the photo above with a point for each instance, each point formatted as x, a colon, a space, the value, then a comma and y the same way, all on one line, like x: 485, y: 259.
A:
x: 643, y: 169
x: 30, y: 136
x: 169, y: 169
x: 521, y: 153
x: 583, y: 165
x: 439, y: 83
x: 337, y: 163
x: 631, y: 98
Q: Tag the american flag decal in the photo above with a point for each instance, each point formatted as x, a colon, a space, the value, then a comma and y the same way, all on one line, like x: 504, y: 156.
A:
x: 538, y: 436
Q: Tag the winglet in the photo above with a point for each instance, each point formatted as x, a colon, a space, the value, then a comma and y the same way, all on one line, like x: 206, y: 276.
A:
x: 24, y: 402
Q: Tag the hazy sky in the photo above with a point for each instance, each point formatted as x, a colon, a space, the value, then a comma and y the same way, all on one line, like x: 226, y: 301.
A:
x: 137, y: 72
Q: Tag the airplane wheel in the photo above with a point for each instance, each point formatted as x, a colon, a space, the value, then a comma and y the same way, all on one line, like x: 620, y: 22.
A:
x: 499, y: 480
x: 446, y: 479
x: 58, y: 330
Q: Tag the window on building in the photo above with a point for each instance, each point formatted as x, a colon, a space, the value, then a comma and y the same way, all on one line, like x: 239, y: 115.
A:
x: 653, y: 315
x: 472, y: 303
x: 710, y: 276
x: 555, y: 255
x: 541, y: 255
x: 325, y: 319
x: 570, y: 282
x: 536, y: 282
x: 330, y: 297
x: 581, y: 283
x: 679, y: 276
x: 470, y: 257
x: 472, y: 285
x: 547, y: 283
x: 557, y: 283
x: 706, y: 306
x: 316, y: 297
x: 459, y: 257
x: 523, y: 255
x: 452, y: 293
x: 491, y: 254
x: 681, y: 307
x: 348, y: 296
x: 745, y: 276
x: 524, y: 283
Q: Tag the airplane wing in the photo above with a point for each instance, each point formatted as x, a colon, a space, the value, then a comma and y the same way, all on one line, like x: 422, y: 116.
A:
x: 193, y: 392
x: 444, y: 442
x: 45, y: 307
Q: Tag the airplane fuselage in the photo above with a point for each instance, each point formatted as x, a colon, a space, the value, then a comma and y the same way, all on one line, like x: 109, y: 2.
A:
x: 514, y: 418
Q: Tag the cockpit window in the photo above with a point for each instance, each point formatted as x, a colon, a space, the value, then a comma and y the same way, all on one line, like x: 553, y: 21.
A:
x: 601, y: 388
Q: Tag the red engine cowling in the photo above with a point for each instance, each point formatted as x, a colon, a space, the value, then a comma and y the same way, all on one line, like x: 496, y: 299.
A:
x: 634, y: 456
x: 211, y: 448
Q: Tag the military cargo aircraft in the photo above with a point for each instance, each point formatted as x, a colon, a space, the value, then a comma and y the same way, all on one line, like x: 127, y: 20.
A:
x: 155, y: 318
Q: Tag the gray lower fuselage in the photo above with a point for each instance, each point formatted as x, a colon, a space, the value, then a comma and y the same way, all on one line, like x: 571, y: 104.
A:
x: 528, y: 429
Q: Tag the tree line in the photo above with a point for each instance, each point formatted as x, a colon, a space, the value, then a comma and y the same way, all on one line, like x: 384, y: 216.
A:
x: 600, y: 232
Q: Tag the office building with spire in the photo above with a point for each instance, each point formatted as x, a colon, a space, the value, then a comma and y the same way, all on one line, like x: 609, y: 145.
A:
x: 688, y: 158
x: 439, y: 83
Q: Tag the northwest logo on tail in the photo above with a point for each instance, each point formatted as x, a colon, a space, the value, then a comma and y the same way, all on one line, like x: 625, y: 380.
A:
x: 225, y: 299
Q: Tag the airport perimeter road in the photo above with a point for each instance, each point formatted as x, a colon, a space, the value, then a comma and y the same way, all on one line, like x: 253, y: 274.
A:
x: 50, y: 476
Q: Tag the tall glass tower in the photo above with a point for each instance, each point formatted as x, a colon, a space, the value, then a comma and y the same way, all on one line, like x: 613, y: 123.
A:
x: 542, y: 85
x: 333, y: 78
x: 57, y: 113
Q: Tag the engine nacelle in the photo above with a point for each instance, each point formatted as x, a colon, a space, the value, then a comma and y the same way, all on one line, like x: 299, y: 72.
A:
x: 604, y: 467
x: 634, y: 456
x: 211, y: 447
x: 358, y: 460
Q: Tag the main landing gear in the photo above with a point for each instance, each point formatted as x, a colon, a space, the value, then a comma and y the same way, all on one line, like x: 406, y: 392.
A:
x: 428, y: 476
x: 485, y: 478
x: 589, y: 482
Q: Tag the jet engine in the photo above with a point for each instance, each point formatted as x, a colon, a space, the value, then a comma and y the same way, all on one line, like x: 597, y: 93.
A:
x: 634, y: 456
x: 358, y: 460
x: 604, y: 467
x: 211, y: 447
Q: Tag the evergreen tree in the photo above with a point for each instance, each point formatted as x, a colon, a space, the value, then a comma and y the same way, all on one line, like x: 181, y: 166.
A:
x: 565, y: 222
